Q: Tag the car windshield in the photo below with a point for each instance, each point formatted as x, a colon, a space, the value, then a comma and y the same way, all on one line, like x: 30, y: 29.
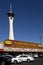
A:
x: 9, y: 56
x: 23, y: 56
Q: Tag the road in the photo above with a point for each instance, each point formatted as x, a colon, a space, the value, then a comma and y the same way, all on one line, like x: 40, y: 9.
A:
x: 37, y: 61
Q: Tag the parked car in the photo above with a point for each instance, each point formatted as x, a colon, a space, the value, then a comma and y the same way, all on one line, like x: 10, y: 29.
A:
x: 22, y: 57
x: 5, y: 58
x: 40, y: 55
x: 2, y: 57
x: 35, y: 55
x: 2, y: 60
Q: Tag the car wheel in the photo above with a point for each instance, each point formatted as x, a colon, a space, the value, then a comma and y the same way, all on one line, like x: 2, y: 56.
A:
x: 15, y: 61
x: 27, y: 60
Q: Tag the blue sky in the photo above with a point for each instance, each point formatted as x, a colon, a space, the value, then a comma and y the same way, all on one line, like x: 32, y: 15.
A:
x: 28, y: 20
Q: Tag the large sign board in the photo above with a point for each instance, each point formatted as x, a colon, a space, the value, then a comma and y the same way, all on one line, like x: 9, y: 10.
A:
x: 22, y: 49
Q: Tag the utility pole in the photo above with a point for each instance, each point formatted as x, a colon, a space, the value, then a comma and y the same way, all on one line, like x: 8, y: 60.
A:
x: 40, y: 40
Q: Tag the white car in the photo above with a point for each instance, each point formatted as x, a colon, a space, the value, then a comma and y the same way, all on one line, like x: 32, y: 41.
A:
x: 22, y: 57
x: 35, y: 55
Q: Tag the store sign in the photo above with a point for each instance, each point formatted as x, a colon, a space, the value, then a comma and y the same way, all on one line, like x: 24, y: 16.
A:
x: 8, y: 42
x: 22, y: 49
x: 8, y: 49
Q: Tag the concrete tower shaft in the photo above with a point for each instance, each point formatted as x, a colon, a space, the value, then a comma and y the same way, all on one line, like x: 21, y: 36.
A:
x: 11, y: 18
x: 11, y: 33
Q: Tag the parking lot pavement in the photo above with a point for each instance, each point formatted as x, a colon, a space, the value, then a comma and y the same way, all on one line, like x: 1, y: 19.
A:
x: 37, y: 61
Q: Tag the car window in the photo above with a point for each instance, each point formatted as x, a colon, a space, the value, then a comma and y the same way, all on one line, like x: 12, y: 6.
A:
x: 23, y: 56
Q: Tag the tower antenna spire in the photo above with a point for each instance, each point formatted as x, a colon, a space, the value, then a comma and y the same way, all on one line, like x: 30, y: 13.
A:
x: 10, y: 8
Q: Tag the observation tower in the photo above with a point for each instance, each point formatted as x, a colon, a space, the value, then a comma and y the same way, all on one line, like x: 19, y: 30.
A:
x: 11, y: 19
